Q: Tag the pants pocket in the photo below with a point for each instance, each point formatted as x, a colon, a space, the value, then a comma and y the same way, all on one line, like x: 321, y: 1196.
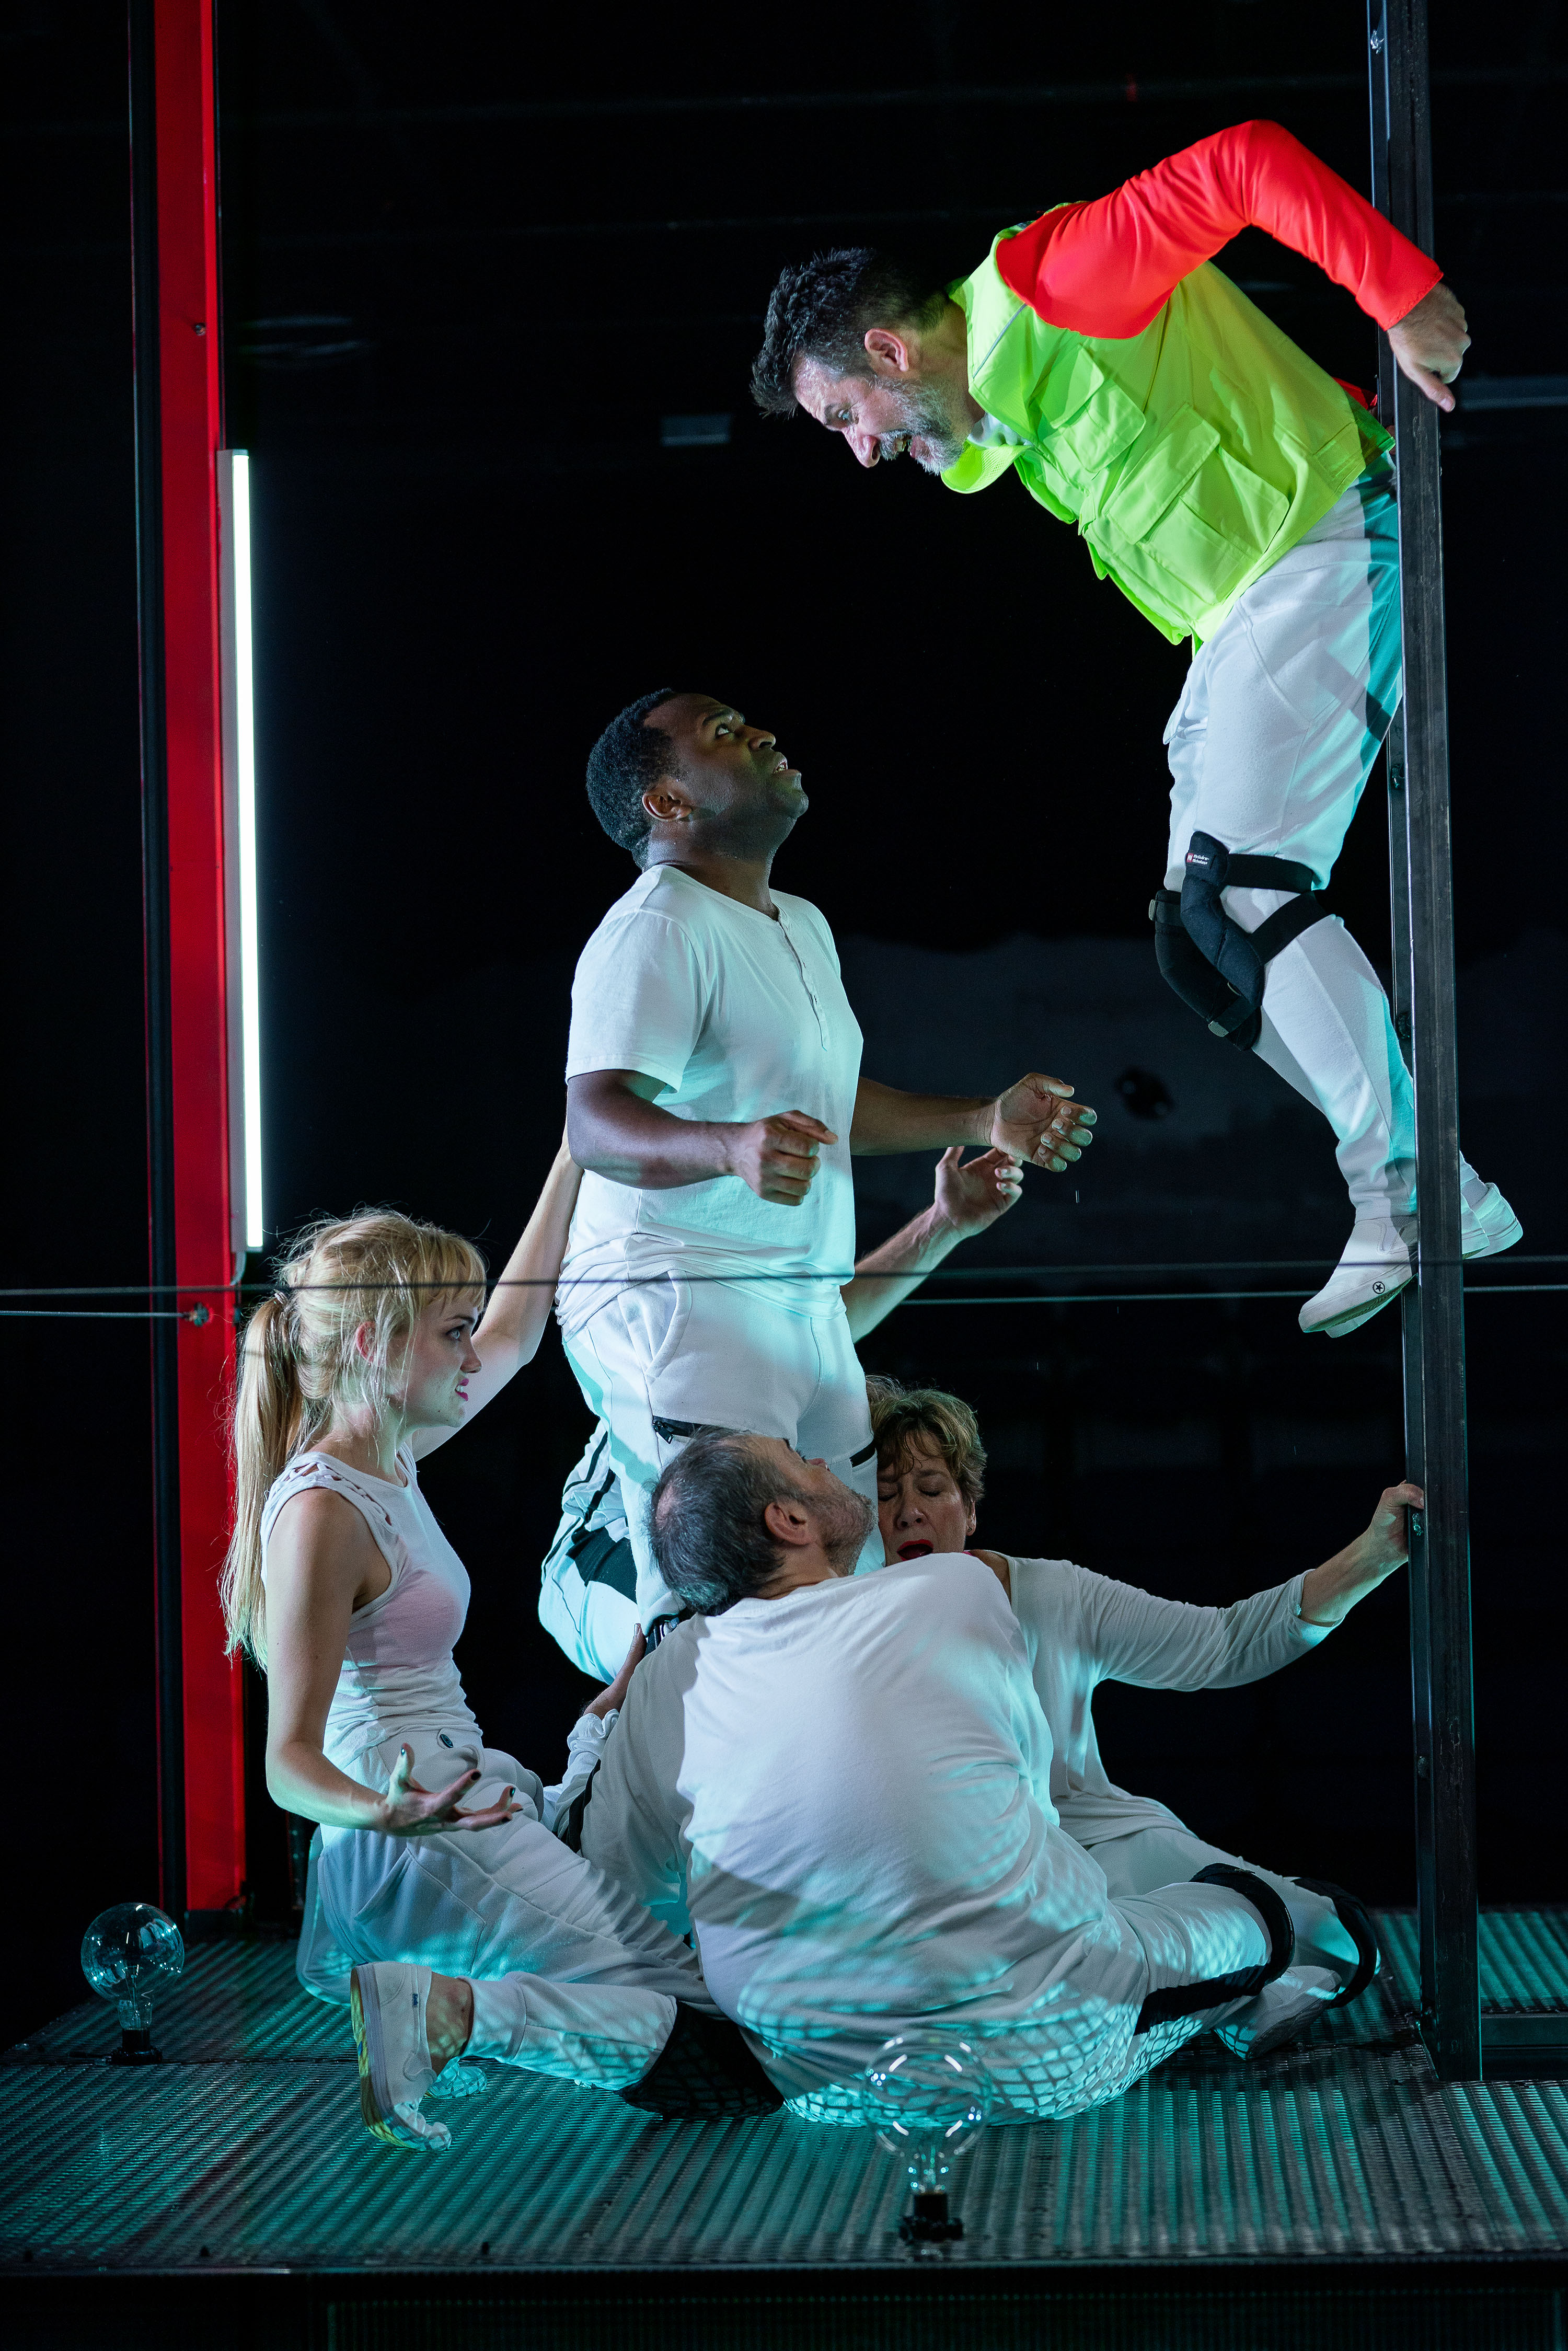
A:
x: 414, y: 1915
x: 655, y: 1314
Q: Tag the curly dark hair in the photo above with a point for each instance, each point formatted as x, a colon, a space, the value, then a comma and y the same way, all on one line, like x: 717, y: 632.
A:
x: 821, y: 309
x: 627, y: 761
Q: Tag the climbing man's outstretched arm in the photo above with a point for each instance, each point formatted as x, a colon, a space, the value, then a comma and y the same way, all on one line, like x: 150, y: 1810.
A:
x: 1105, y: 268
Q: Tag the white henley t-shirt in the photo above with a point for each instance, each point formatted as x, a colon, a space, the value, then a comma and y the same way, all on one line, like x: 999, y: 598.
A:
x: 738, y: 1017
x: 847, y: 1791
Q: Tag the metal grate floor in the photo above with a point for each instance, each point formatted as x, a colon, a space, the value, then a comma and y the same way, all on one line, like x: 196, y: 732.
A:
x: 1523, y: 1955
x: 243, y: 2152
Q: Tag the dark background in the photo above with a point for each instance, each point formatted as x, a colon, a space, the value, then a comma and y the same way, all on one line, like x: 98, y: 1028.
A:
x: 474, y: 260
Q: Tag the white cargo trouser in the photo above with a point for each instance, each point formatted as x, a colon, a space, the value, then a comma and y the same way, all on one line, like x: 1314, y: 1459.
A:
x: 1270, y: 746
x: 1153, y: 1859
x: 571, y: 1975
x: 671, y: 1354
x: 1086, y: 2049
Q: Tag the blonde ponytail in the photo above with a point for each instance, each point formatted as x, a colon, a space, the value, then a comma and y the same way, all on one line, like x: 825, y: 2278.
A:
x: 299, y: 1361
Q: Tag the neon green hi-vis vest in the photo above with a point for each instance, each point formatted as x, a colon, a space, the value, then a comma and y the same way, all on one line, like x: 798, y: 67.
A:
x: 1190, y: 456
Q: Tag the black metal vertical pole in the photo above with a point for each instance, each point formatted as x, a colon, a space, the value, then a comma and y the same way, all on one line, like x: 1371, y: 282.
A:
x: 1421, y: 881
x: 168, y: 1628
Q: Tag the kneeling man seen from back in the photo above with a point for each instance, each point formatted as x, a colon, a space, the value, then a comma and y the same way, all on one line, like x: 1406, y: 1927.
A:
x: 842, y: 1785
x: 1081, y: 1629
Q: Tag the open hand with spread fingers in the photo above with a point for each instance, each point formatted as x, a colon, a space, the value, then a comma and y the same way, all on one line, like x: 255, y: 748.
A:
x: 969, y: 1198
x: 409, y: 1810
x: 1037, y: 1121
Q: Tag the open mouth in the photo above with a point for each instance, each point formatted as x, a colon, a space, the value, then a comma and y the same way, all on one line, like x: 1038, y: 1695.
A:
x: 914, y: 1549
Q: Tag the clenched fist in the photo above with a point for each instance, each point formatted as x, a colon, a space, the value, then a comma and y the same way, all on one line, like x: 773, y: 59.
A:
x: 777, y: 1156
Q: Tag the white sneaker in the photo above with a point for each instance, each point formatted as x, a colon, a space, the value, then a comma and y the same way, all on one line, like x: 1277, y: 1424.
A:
x: 1486, y: 1224
x: 1336, y: 1959
x: 1376, y: 1267
x: 1282, y: 2013
x: 388, y: 2002
x: 456, y: 2080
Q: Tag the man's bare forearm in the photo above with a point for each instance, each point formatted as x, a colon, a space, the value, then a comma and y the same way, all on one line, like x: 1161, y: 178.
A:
x: 887, y: 1120
x: 615, y: 1134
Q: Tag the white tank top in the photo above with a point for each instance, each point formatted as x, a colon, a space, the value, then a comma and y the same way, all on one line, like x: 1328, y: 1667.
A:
x: 397, y: 1673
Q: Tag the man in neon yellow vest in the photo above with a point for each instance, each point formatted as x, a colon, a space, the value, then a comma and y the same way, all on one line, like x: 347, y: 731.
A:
x: 1239, y: 496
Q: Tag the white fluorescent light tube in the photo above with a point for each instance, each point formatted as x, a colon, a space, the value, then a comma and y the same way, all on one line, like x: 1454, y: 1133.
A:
x: 239, y: 762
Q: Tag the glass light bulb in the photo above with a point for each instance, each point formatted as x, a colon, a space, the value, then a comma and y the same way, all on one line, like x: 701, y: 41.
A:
x: 127, y: 1953
x: 930, y: 2097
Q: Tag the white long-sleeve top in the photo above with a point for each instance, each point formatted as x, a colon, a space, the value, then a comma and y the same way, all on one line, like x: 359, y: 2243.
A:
x: 848, y: 1791
x: 1081, y: 1629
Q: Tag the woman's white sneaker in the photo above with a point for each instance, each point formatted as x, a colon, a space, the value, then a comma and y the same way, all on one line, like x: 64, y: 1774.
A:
x: 1374, y: 1269
x: 388, y: 2000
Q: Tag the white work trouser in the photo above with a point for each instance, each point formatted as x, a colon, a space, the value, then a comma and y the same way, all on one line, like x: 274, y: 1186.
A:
x: 1086, y: 2048
x: 1153, y: 1859
x: 571, y: 1975
x: 715, y: 1354
x: 1271, y: 745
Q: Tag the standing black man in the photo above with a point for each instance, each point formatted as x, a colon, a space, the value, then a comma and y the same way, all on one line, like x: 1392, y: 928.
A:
x: 713, y: 1097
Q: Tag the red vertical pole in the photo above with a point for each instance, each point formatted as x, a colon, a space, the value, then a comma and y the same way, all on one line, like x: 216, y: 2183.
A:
x: 188, y: 433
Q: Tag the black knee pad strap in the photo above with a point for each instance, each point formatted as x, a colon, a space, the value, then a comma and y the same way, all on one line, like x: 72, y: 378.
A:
x: 1354, y: 1918
x: 1213, y: 964
x: 1240, y: 1983
x: 1187, y: 969
x: 705, y: 2073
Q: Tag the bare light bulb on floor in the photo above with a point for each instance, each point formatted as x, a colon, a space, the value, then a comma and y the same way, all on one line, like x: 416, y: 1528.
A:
x: 930, y: 2097
x: 126, y: 1954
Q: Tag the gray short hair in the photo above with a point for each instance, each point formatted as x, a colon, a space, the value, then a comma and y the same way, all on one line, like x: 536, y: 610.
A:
x: 823, y: 309
x: 706, y: 1523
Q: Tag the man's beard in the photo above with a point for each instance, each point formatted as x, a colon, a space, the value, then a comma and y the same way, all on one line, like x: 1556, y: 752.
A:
x: 922, y: 416
x: 843, y: 1535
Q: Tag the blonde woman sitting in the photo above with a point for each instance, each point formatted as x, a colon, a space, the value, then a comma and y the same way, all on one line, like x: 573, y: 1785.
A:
x: 439, y: 1905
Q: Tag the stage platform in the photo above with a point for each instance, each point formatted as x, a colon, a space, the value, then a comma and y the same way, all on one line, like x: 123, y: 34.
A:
x: 1337, y: 2194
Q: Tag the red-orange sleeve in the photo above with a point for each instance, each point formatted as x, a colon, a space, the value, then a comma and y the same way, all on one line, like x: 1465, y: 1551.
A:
x: 1106, y: 267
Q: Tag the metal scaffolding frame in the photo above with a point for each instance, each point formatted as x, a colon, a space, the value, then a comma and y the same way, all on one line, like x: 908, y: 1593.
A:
x: 1421, y: 890
x: 202, y: 1826
x: 176, y: 339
